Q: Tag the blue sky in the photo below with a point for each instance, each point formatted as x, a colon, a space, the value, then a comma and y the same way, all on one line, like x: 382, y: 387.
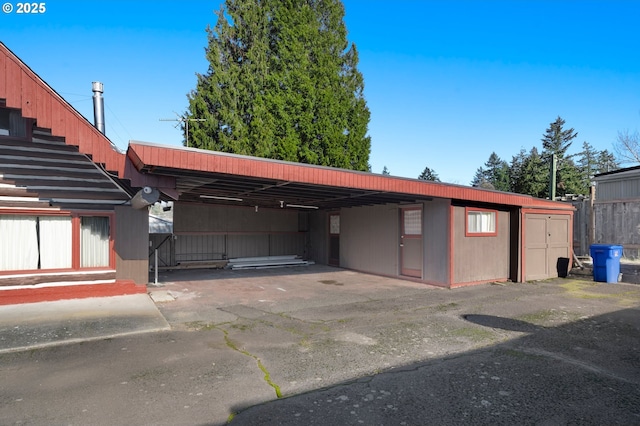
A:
x: 447, y: 82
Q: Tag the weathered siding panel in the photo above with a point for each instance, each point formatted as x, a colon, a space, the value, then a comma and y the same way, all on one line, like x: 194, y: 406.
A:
x: 624, y: 185
x: 581, y: 227
x: 210, y: 232
x: 247, y: 245
x: 284, y: 244
x: 480, y: 258
x: 200, y: 247
x: 218, y: 218
x: 436, y: 241
x: 132, y: 244
x: 369, y: 239
x: 619, y: 223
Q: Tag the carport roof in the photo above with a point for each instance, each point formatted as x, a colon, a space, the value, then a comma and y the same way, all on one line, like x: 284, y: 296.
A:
x: 210, y: 176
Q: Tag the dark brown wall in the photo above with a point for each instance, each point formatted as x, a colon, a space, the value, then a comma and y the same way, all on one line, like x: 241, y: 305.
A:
x: 132, y: 244
x: 480, y: 258
x: 318, y: 235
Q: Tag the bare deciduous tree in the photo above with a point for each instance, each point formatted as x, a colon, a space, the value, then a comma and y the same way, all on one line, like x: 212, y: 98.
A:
x: 627, y: 147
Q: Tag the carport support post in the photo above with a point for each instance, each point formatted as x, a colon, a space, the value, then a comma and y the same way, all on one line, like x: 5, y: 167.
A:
x: 155, y: 268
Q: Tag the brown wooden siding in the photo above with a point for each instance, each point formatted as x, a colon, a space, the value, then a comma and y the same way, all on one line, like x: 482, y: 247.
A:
x: 202, y: 218
x: 480, y: 258
x: 136, y: 270
x: 132, y: 244
x: 618, y: 223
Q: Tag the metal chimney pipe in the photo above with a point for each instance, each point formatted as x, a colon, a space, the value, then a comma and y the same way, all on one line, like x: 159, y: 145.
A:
x: 98, y: 106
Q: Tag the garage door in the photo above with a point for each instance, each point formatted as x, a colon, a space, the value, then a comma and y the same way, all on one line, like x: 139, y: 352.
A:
x: 547, y: 245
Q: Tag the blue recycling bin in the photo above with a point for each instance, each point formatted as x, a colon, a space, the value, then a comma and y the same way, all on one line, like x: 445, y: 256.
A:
x: 606, y: 262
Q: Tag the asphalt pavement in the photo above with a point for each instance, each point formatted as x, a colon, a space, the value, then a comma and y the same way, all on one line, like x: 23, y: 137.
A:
x: 320, y: 345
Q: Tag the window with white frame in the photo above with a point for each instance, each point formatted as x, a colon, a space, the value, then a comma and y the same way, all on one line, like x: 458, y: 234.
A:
x: 481, y: 222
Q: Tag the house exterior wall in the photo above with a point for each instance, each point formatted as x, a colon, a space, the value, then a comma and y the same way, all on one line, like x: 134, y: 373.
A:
x: 436, y: 241
x: 369, y: 239
x: 131, y: 244
x: 211, y: 232
x: 480, y: 258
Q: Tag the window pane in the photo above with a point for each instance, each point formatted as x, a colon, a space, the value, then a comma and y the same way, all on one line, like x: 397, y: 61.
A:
x: 18, y: 243
x: 55, y: 242
x: 412, y: 222
x: 481, y: 222
x: 94, y: 241
x: 334, y: 224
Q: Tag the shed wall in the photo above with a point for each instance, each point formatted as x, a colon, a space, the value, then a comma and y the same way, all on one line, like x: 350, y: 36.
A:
x: 436, y: 241
x: 480, y: 258
x: 210, y: 232
x: 369, y: 239
x: 131, y: 244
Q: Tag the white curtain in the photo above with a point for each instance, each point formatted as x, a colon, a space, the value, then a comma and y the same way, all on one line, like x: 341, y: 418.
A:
x: 55, y: 242
x: 482, y: 222
x: 18, y: 243
x: 94, y: 241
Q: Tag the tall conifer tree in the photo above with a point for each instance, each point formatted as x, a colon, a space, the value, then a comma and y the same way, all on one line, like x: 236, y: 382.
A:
x: 282, y: 83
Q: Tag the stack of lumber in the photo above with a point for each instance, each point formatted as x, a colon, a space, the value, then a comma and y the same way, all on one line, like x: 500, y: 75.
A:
x: 266, y: 262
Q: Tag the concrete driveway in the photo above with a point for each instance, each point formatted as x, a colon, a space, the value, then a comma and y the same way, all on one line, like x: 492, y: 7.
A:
x: 321, y: 345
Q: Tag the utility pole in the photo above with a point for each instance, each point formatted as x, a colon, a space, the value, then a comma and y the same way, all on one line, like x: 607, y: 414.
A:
x: 552, y: 177
x: 184, y: 120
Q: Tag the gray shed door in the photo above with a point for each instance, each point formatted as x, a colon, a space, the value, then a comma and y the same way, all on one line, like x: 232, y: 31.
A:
x: 547, y: 245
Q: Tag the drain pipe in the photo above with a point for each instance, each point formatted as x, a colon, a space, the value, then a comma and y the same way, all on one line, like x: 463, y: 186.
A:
x: 98, y: 106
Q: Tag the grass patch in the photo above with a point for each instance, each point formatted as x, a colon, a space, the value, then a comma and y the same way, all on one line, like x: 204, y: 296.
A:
x: 242, y: 327
x: 330, y: 282
x: 473, y: 333
x: 446, y: 307
x: 200, y: 326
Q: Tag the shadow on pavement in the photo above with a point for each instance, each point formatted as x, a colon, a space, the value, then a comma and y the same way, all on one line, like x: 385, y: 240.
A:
x: 586, y: 371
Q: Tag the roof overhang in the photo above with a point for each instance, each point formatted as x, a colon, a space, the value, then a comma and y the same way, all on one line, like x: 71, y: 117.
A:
x: 216, y: 177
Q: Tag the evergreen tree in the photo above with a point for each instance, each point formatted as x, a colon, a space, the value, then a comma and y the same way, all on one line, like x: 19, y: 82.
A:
x: 557, y: 140
x: 495, y: 175
x: 385, y: 171
x: 282, y: 83
x: 429, y: 174
x: 606, y: 162
x: 480, y: 179
x: 529, y: 174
